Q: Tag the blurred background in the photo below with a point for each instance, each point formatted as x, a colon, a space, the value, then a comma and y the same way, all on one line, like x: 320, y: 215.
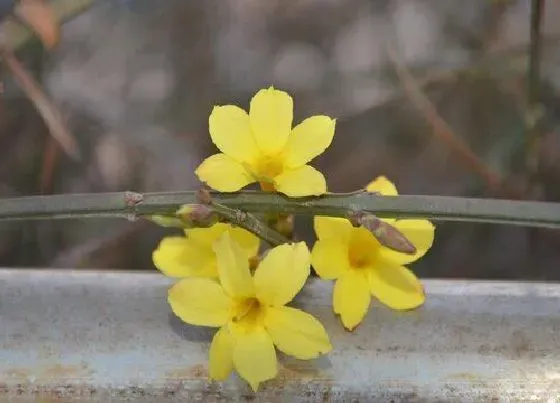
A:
x: 430, y: 93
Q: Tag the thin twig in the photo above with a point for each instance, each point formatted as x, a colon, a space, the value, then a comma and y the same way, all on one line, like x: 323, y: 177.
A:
x: 535, y: 52
x: 533, y: 127
x: 135, y: 205
x: 444, y: 132
x: 42, y: 103
x: 50, y: 159
x: 15, y: 34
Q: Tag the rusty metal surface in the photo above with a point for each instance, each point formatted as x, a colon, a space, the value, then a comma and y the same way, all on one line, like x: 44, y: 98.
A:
x: 95, y: 336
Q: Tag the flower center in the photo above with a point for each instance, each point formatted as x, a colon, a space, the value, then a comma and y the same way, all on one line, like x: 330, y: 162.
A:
x: 248, y: 311
x: 358, y: 259
x: 266, y: 169
x: 363, y: 249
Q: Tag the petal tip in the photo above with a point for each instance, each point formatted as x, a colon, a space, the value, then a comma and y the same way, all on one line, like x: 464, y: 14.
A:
x: 349, y: 327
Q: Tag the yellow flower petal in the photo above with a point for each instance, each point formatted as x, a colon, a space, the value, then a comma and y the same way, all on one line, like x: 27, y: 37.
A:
x: 200, y: 301
x: 282, y: 273
x: 419, y: 232
x: 247, y: 240
x: 221, y: 355
x: 396, y: 286
x: 329, y: 258
x: 297, y: 333
x: 233, y: 267
x: 254, y: 357
x: 351, y: 298
x: 383, y: 186
x: 176, y: 257
x: 230, y: 130
x: 302, y: 181
x: 207, y: 236
x: 308, y: 139
x: 223, y: 173
x: 271, y: 115
x: 333, y: 227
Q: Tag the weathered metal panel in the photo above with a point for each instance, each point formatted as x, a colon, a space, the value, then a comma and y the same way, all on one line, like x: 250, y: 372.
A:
x: 96, y: 336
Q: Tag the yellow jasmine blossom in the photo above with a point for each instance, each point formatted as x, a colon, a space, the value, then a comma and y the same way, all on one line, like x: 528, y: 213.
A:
x: 363, y: 267
x: 261, y: 146
x: 250, y: 311
x: 180, y: 256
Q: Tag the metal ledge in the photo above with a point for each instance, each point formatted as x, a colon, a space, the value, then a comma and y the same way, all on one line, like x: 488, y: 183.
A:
x: 110, y: 336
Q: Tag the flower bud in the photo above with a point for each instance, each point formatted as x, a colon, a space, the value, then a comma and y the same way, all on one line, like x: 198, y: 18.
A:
x: 385, y: 233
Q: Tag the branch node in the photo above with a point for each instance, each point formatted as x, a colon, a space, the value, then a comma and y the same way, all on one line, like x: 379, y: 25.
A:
x: 132, y: 198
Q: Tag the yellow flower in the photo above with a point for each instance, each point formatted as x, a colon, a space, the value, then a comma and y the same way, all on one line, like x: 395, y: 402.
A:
x: 261, y: 146
x: 179, y: 256
x: 363, y: 267
x: 250, y: 311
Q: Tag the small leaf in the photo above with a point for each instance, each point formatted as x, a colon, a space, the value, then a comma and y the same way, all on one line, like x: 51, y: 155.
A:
x: 39, y: 16
x: 168, y: 221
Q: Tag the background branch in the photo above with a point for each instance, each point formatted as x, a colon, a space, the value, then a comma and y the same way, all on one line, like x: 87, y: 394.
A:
x: 443, y: 131
x: 533, y: 119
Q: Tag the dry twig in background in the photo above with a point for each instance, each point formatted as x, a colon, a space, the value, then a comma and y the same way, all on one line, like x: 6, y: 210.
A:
x: 444, y: 132
x: 45, y: 107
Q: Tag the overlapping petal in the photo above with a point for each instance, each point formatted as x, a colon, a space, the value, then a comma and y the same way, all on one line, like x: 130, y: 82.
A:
x: 248, y: 241
x: 200, y: 301
x: 233, y: 268
x: 300, y: 182
x: 308, y: 139
x: 282, y: 273
x: 230, y: 130
x: 205, y: 237
x: 329, y: 258
x: 396, y: 286
x: 297, y: 333
x: 254, y: 357
x: 351, y: 298
x: 223, y: 173
x: 271, y: 115
x: 339, y: 229
x: 221, y: 355
x: 177, y: 257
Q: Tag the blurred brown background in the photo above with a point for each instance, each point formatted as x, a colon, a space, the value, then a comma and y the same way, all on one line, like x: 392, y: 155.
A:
x: 137, y: 79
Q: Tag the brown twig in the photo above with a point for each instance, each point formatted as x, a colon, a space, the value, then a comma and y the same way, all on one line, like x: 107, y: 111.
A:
x: 50, y: 159
x: 44, y: 106
x: 444, y: 132
x: 533, y: 126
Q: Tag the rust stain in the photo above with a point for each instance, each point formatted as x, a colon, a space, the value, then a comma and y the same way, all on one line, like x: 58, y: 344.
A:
x: 195, y: 371
x: 465, y: 376
x: 298, y: 371
x: 18, y: 373
x: 66, y: 371
x: 520, y: 343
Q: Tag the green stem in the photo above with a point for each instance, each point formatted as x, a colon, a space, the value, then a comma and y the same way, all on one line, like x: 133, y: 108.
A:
x: 133, y: 205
